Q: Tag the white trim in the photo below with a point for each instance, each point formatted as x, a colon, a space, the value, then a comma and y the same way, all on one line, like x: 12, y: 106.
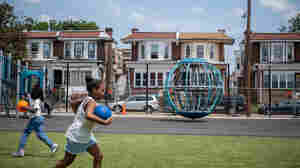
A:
x: 275, y: 40
x: 150, y: 39
x: 149, y: 79
x: 79, y: 39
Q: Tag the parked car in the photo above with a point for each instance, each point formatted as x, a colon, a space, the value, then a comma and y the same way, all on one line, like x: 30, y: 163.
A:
x: 229, y: 101
x: 137, y: 102
x: 283, y: 107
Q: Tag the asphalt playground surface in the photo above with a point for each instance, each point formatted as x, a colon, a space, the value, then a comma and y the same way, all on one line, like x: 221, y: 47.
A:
x: 214, y: 125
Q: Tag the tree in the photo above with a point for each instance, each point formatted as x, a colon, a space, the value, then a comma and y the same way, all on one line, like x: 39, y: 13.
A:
x: 293, y: 25
x: 65, y: 25
x: 7, y: 17
x: 11, y: 29
x: 79, y: 25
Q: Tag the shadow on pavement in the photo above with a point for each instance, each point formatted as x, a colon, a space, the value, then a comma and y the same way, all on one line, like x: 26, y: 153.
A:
x: 185, y: 120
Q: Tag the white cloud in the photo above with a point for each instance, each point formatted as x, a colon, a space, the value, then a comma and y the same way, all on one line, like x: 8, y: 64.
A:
x: 44, y: 18
x: 137, y: 17
x: 33, y: 1
x: 286, y: 8
x: 198, y: 10
x: 238, y: 12
x: 277, y: 5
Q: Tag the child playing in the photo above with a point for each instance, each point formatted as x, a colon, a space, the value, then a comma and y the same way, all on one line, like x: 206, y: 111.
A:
x: 79, y: 135
x: 35, y: 123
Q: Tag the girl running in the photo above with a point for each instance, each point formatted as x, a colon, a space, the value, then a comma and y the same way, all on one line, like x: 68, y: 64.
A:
x: 36, y: 123
x: 79, y: 135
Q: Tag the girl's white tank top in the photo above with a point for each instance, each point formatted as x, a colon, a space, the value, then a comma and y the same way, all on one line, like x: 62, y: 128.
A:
x: 80, y: 131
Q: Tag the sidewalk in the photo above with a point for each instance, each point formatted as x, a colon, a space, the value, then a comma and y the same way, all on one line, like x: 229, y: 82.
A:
x: 141, y: 114
x: 62, y: 112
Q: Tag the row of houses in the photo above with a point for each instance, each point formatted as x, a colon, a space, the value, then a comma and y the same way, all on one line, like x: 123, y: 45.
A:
x: 275, y: 58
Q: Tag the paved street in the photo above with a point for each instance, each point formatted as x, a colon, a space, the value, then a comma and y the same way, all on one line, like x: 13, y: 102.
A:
x: 144, y: 124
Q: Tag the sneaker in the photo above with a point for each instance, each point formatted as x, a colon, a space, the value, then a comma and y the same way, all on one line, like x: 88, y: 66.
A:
x: 18, y: 154
x: 54, y: 148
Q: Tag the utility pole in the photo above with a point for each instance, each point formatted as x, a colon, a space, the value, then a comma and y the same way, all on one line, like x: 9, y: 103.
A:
x: 68, y: 83
x: 248, y: 59
x: 108, y: 75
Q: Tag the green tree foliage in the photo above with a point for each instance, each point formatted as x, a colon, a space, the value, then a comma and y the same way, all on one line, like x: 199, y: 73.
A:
x: 77, y: 25
x: 65, y: 25
x: 293, y: 25
x: 41, y: 26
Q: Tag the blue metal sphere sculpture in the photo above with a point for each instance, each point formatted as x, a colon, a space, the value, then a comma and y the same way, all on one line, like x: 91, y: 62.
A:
x: 194, y: 88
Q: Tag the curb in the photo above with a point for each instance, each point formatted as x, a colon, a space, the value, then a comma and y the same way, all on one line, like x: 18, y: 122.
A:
x: 172, y: 116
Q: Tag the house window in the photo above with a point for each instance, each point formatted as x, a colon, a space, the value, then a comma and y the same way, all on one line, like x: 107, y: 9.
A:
x: 92, y: 50
x: 275, y: 78
x: 46, y: 49
x: 67, y: 49
x: 143, y: 51
x: 290, y: 80
x: 282, y: 80
x: 167, y: 52
x: 188, y: 51
x: 279, y: 80
x: 290, y: 49
x: 152, y: 79
x: 277, y: 53
x: 35, y: 48
x: 264, y: 53
x: 237, y: 66
x: 266, y: 80
x: 138, y: 79
x: 160, y: 79
x: 78, y: 49
x: 200, y: 51
x: 154, y: 51
x: 212, y: 51
x: 145, y: 77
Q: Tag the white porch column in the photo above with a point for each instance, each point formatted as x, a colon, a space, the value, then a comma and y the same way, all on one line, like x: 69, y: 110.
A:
x: 18, y: 85
x: 26, y: 80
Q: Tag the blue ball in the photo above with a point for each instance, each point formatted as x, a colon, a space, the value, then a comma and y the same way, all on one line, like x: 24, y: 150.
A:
x: 102, y: 112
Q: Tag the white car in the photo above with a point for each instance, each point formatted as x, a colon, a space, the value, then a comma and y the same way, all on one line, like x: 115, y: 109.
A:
x: 137, y: 102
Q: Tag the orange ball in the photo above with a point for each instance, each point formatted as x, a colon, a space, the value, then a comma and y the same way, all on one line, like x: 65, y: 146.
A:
x: 21, y: 104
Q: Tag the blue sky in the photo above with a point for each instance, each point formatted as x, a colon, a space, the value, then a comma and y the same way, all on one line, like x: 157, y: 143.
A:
x: 165, y: 15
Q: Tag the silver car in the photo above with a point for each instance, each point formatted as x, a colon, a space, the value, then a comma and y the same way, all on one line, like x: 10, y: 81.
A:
x: 137, y: 102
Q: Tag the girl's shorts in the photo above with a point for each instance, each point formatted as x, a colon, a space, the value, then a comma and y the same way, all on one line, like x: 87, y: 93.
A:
x: 76, y: 148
